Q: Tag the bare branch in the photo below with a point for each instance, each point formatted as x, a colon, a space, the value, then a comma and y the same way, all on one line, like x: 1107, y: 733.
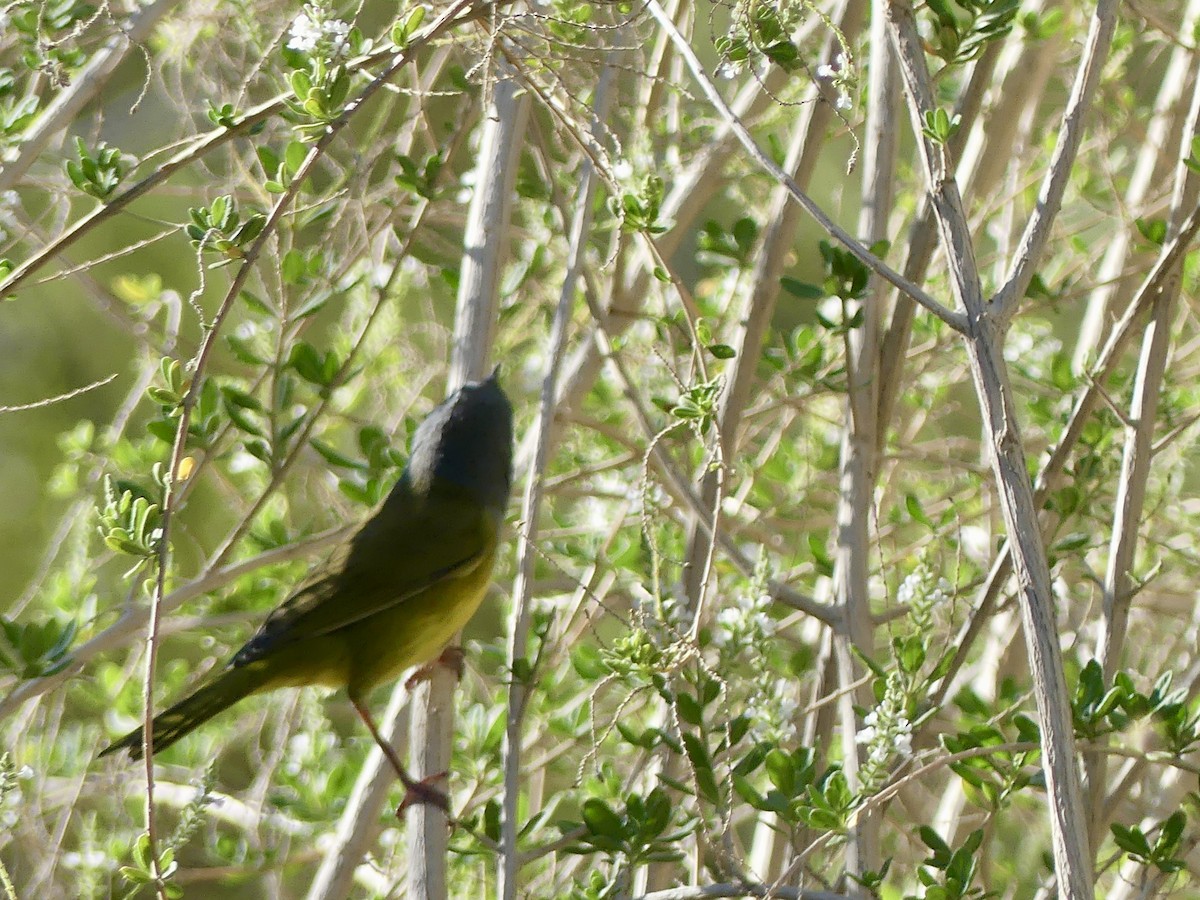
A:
x: 955, y: 320
x: 50, y: 401
x: 1037, y: 232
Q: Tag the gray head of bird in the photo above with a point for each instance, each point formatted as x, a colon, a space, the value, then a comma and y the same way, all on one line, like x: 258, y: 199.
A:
x: 467, y: 441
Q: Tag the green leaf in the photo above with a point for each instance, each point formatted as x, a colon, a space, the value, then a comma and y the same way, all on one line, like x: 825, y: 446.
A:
x: 600, y: 819
x: 1153, y: 230
x: 801, y: 289
x: 913, y: 505
x: 821, y: 559
x: 135, y: 876
x: 780, y: 771
x: 702, y: 769
x: 404, y: 29
x: 301, y: 84
x: 689, y: 710
x: 722, y: 351
x: 1131, y: 840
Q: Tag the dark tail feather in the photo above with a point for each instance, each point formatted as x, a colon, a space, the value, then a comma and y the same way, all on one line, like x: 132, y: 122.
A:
x: 191, y: 712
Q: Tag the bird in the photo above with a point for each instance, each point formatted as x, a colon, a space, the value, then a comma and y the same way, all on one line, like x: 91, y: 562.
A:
x: 393, y: 594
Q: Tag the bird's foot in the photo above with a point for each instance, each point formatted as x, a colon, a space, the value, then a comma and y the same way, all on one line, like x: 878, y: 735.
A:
x: 452, y: 658
x: 425, y: 791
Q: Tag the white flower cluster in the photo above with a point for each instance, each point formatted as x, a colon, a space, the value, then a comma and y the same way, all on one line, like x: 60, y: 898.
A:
x: 841, y: 75
x: 886, y: 732
x: 87, y: 859
x: 885, y: 736
x: 922, y: 591
x: 744, y: 621
x: 772, y: 713
x: 314, y: 31
x: 9, y: 202
x: 10, y: 811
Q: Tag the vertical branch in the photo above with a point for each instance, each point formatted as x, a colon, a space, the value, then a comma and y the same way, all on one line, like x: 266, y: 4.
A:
x: 484, y: 243
x: 359, y: 824
x: 755, y: 315
x: 1037, y: 231
x: 1022, y: 68
x: 921, y: 244
x: 1135, y: 461
x: 989, y: 373
x: 534, y: 489
x: 783, y: 218
x: 688, y: 194
x: 1052, y: 471
x: 1149, y: 163
x: 859, y: 462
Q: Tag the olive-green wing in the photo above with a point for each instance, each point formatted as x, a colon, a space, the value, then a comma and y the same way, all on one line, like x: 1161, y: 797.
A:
x: 401, y: 552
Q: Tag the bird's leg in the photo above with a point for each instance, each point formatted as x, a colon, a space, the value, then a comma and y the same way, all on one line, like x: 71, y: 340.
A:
x: 452, y: 658
x: 415, y: 790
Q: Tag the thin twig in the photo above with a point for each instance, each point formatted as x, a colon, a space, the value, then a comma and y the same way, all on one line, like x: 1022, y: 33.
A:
x: 50, y: 401
x: 85, y: 85
x: 955, y: 320
x: 1029, y: 252
x: 456, y: 14
x: 531, y: 506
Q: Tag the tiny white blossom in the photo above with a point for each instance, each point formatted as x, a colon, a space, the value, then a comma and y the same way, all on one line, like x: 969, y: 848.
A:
x: 299, y: 748
x: 311, y: 29
x: 622, y: 170
x: 764, y: 623
x: 729, y: 617
x: 304, y: 34
x: 9, y: 201
x: 831, y: 70
x: 595, y: 514
x: 1020, y: 342
x: 338, y: 32
x: 300, y: 743
x: 788, y: 705
x: 830, y: 308
x: 843, y: 100
x: 91, y: 859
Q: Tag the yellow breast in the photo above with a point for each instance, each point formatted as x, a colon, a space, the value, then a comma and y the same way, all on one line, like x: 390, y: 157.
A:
x: 415, y: 630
